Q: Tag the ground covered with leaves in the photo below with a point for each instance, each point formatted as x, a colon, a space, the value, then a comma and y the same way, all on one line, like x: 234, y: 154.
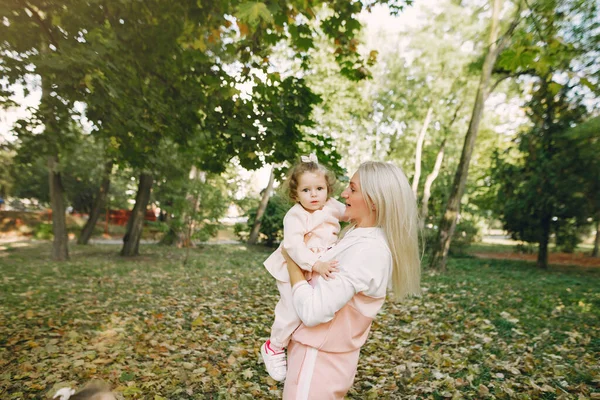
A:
x: 155, y: 328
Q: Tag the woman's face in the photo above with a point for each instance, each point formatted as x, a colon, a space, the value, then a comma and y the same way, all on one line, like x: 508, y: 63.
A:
x: 357, y: 209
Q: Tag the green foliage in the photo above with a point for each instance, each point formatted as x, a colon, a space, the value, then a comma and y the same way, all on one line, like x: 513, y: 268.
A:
x: 272, y: 221
x: 466, y: 233
x: 194, y: 205
x: 253, y: 12
x: 81, y: 172
x: 43, y: 231
x: 547, y: 179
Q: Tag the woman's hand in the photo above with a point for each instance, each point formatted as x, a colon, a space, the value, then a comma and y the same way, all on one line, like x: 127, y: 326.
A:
x: 296, y: 274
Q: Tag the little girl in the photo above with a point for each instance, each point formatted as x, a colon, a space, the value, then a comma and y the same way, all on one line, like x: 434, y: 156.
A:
x: 309, y: 228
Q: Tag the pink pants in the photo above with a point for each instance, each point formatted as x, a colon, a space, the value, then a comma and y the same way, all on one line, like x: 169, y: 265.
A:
x: 316, y: 374
x: 286, y: 320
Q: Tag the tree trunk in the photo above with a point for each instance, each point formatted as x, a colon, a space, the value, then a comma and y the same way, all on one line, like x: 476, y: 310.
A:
x: 448, y: 223
x: 184, y: 238
x: 135, y: 224
x: 542, y: 260
x: 60, y: 245
x: 253, y: 238
x: 98, y: 208
x: 429, y: 182
x: 597, y: 241
x: 419, y: 151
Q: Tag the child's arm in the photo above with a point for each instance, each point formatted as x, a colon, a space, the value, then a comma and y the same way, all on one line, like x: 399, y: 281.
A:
x: 326, y: 268
x: 294, y: 229
x: 340, y: 209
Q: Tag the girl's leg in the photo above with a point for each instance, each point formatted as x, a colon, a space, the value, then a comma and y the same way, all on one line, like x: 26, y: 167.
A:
x: 286, y: 320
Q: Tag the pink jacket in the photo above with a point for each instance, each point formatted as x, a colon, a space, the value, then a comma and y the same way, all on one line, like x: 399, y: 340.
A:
x: 305, y: 236
x: 337, y: 313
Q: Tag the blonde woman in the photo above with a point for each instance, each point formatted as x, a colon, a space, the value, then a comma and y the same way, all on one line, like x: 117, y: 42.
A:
x: 379, y: 250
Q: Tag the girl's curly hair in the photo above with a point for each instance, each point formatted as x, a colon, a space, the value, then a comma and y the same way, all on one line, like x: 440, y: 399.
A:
x: 302, y: 167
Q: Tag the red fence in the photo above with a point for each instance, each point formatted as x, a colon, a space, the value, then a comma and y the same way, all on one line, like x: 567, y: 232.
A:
x: 120, y: 217
x: 116, y: 217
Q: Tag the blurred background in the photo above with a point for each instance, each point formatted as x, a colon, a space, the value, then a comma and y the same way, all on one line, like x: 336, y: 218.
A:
x: 174, y: 123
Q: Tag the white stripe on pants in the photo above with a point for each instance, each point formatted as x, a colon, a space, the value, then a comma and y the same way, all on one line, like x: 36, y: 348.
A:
x: 306, y: 374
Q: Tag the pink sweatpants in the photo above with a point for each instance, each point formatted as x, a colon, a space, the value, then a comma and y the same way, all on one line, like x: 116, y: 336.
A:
x: 316, y: 374
x: 286, y: 320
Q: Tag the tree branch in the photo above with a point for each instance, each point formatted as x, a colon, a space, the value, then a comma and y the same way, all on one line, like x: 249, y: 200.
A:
x: 41, y: 23
x: 504, y: 39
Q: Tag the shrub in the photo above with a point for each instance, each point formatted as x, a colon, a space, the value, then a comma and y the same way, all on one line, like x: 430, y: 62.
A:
x: 271, y: 228
x: 43, y: 231
x: 467, y: 232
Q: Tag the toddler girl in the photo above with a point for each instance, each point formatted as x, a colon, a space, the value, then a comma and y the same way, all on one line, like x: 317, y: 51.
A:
x: 309, y: 228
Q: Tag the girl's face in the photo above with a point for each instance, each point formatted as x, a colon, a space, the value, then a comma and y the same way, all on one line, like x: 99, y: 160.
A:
x: 312, y: 191
x: 357, y: 209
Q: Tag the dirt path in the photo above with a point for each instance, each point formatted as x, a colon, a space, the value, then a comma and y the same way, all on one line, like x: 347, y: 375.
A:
x: 578, y: 259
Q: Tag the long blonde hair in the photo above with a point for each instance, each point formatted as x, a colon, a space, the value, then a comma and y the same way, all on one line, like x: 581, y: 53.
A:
x: 386, y: 188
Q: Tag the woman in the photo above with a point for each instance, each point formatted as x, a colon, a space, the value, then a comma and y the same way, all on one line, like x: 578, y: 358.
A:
x: 379, y: 248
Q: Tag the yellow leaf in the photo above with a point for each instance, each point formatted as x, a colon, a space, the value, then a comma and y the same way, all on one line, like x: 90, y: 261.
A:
x: 198, y: 321
x: 199, y: 44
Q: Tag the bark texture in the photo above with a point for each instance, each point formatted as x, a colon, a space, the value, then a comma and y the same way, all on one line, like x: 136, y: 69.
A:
x: 419, y: 152
x: 98, y: 207
x: 253, y: 238
x: 135, y: 224
x: 60, y: 244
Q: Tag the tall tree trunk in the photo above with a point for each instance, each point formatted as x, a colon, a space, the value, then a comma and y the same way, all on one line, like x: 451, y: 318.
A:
x: 135, y: 224
x: 98, y: 207
x: 542, y: 260
x: 60, y: 245
x: 429, y: 182
x: 439, y: 158
x: 597, y: 241
x: 419, y: 152
x: 253, y: 238
x: 448, y: 223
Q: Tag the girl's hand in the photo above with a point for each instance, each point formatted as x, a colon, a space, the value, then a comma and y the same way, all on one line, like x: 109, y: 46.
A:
x: 326, y: 269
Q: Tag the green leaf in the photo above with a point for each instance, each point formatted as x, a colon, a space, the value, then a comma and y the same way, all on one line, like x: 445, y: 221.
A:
x: 590, y: 85
x: 554, y: 88
x: 126, y: 376
x: 253, y: 12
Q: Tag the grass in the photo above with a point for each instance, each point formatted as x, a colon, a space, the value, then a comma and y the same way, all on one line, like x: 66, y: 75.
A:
x: 155, y: 328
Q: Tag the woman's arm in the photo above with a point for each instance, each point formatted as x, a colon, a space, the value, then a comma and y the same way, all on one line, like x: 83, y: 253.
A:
x: 360, y: 268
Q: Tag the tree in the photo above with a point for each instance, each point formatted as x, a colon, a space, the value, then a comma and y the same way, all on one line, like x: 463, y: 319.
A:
x: 41, y: 38
x: 561, y: 48
x: 266, y: 195
x: 97, y: 206
x: 156, y: 74
x: 447, y: 224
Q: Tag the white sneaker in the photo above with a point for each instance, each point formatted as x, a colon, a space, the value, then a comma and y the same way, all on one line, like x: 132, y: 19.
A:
x: 275, y: 361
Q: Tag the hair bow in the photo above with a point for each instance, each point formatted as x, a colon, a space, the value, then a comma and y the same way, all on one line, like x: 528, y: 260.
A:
x: 64, y: 393
x: 310, y: 158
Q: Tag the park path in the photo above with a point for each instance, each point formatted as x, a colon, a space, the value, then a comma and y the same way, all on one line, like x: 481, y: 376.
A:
x: 19, y: 241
